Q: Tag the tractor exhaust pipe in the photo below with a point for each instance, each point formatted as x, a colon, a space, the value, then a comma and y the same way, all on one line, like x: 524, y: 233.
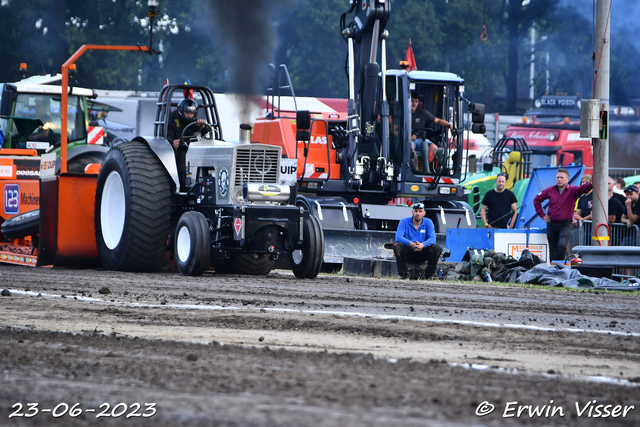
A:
x: 245, y: 134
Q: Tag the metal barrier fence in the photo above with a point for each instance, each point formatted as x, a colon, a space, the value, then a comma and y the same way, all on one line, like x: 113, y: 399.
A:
x: 623, y: 172
x: 619, y: 235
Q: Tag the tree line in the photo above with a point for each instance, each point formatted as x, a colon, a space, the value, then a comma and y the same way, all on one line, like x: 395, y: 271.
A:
x: 200, y: 43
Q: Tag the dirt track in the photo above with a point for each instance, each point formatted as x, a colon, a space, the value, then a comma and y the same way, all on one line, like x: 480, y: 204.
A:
x: 237, y: 350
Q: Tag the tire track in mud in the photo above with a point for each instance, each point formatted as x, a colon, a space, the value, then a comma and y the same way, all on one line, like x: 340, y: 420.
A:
x: 212, y: 384
x: 545, y: 308
x: 457, y: 341
x: 289, y: 359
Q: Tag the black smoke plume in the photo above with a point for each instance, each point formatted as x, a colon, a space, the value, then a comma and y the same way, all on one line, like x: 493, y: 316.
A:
x: 246, y: 30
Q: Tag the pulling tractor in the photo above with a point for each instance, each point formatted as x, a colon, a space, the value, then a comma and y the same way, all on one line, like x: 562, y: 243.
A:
x: 227, y: 210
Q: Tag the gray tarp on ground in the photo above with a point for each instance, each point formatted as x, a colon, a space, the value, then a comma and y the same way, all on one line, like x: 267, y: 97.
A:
x: 530, y: 270
x: 560, y: 275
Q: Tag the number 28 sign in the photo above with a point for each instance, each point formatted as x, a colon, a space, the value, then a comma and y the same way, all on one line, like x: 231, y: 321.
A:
x: 11, y: 199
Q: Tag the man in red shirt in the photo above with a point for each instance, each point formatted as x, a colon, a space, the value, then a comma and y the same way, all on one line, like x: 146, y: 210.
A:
x: 562, y: 199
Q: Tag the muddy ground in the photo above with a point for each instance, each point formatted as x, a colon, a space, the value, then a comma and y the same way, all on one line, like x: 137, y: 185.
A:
x: 228, y: 350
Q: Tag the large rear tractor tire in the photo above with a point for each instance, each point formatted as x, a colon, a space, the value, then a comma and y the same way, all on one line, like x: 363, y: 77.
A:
x: 192, y: 244
x: 220, y: 264
x: 307, y: 263
x: 133, y: 209
x: 253, y: 264
x: 237, y: 263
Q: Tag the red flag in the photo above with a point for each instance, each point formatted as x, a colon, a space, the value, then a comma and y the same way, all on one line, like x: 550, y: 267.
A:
x: 411, y: 60
x: 167, y: 82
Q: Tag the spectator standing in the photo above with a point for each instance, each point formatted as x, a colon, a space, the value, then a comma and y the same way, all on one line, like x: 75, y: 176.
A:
x: 619, y: 186
x: 585, y: 203
x: 616, y: 209
x: 562, y: 199
x: 617, y: 195
x: 631, y: 214
x: 501, y: 204
x: 416, y: 242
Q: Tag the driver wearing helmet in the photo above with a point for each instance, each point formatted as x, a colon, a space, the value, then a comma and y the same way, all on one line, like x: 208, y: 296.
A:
x: 183, y: 116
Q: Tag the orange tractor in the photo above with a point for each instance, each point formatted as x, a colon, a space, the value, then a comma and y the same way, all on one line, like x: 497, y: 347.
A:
x: 30, y: 120
x: 50, y: 157
x: 351, y: 163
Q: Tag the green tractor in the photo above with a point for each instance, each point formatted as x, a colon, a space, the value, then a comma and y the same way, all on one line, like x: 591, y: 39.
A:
x: 512, y: 157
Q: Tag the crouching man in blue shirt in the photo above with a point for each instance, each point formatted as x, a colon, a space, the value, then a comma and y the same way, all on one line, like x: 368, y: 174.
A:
x: 416, y: 243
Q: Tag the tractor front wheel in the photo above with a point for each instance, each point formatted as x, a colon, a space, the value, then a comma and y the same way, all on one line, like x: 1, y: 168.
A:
x: 192, y: 244
x: 307, y: 263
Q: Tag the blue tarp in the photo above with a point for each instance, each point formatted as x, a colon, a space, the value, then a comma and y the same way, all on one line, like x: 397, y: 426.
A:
x: 542, y: 178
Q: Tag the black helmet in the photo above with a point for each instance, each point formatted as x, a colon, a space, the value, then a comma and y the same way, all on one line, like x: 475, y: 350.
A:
x: 188, y: 105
